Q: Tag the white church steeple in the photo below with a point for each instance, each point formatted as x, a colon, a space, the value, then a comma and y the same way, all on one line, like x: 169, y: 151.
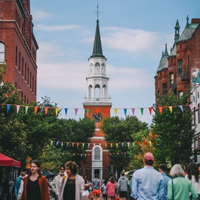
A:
x: 97, y: 81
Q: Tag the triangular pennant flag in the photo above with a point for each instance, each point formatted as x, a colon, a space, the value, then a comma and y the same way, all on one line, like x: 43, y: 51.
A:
x: 122, y: 144
x: 36, y: 108
x: 125, y: 111
x: 51, y: 142
x: 170, y: 108
x: 66, y: 109
x: 56, y: 110
x: 144, y: 142
x: 88, y: 145
x: 150, y: 110
x: 76, y: 111
x: 94, y: 144
x: 61, y: 144
x: 115, y: 111
x: 72, y: 144
x: 133, y: 111
x: 46, y: 110
x: 97, y: 111
x: 83, y: 144
x: 18, y: 107
x: 85, y: 155
x: 105, y: 145
x: 160, y: 109
x: 139, y: 143
x: 87, y: 111
x: 150, y: 143
x: 107, y: 112
x: 116, y: 145
x: 77, y: 144
x: 128, y: 143
x: 26, y: 109
x: 191, y: 107
x: 8, y: 108
x: 142, y: 110
x: 67, y: 143
x: 181, y: 107
x: 111, y: 144
x: 153, y: 136
x: 133, y: 144
x: 81, y: 155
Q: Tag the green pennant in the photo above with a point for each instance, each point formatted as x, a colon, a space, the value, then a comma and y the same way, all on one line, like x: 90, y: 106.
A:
x: 142, y: 110
x: 67, y: 143
x: 26, y: 109
x: 87, y: 111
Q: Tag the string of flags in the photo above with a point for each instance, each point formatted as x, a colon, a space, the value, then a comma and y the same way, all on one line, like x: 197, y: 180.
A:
x: 105, y: 144
x: 107, y: 110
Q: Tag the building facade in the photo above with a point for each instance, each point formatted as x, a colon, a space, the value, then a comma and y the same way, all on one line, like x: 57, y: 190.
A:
x: 97, y: 106
x: 176, y: 69
x: 18, y: 47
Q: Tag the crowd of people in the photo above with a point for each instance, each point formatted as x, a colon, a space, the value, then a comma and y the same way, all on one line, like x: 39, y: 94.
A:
x: 145, y: 184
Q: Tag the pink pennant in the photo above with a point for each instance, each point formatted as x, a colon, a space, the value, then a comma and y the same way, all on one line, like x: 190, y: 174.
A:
x: 76, y: 111
x: 18, y: 107
x: 133, y: 111
x: 191, y: 107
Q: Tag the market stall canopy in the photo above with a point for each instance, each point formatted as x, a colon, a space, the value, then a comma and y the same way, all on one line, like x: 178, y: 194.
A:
x: 8, y: 162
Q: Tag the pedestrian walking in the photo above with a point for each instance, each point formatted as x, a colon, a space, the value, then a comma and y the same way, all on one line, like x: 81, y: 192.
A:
x: 72, y: 184
x: 179, y: 187
x: 96, y: 185
x: 163, y: 170
x: 35, y: 185
x: 123, y: 185
x: 193, y: 176
x: 147, y: 183
x: 57, y: 181
x: 111, y: 187
x: 19, y: 183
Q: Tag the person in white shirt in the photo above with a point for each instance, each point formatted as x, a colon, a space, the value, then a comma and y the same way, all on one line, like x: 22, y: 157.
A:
x: 57, y: 181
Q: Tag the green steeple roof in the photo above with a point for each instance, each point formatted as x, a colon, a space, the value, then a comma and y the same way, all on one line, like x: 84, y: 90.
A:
x: 97, y: 48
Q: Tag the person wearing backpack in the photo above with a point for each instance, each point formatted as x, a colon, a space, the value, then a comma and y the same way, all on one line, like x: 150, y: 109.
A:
x: 123, y: 184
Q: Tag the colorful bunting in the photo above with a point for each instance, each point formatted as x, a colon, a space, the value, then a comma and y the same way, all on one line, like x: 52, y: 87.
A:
x: 170, y: 108
x: 18, y: 107
x: 66, y: 109
x: 26, y: 109
x: 46, y: 110
x: 125, y: 111
x: 56, y: 110
x: 76, y: 111
x: 36, y: 108
x: 150, y: 110
x: 8, y: 108
x: 133, y: 111
x: 181, y: 107
x: 142, y: 110
x: 191, y: 107
x: 160, y: 109
x: 115, y: 109
x: 87, y: 111
x: 97, y: 111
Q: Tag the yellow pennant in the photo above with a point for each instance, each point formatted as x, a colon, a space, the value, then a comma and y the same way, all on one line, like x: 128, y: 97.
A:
x: 150, y: 143
x: 170, y: 108
x: 115, y: 111
x: 117, y: 145
x: 56, y: 109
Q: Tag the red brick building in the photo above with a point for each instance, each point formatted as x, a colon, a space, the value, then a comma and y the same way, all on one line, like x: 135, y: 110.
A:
x: 175, y: 70
x: 97, y: 107
x: 18, y: 47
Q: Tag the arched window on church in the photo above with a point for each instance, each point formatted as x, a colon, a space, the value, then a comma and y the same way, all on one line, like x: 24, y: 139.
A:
x: 97, y: 92
x: 97, y: 153
x: 90, y: 91
x: 2, y: 52
x: 97, y: 67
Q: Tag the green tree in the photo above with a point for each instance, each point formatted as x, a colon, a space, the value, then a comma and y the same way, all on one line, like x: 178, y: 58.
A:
x: 174, y: 131
x: 120, y: 131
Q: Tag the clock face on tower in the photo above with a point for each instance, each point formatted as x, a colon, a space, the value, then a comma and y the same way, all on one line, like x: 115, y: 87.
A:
x: 97, y: 118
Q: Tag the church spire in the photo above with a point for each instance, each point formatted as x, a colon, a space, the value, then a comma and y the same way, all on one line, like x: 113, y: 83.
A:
x: 177, y: 35
x: 97, y: 48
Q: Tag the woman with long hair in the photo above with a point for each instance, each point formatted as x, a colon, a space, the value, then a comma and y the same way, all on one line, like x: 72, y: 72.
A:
x: 179, y: 187
x: 72, y: 185
x: 35, y: 185
x: 111, y: 187
x: 193, y: 176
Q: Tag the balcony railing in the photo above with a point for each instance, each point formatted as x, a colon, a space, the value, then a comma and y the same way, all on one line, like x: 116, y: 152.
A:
x: 97, y: 99
x: 185, y: 75
x: 174, y: 85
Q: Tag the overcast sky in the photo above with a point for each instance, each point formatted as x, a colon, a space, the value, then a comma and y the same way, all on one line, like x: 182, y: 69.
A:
x: 133, y: 35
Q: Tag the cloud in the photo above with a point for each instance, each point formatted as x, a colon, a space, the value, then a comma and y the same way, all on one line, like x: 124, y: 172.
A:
x: 41, y: 15
x: 134, y: 41
x: 43, y: 27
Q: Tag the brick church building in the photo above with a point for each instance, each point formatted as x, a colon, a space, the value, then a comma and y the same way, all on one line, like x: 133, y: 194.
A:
x: 176, y: 68
x: 98, y: 104
x: 18, y: 47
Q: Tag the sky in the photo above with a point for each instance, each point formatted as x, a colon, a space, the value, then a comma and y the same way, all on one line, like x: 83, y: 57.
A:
x: 133, y: 36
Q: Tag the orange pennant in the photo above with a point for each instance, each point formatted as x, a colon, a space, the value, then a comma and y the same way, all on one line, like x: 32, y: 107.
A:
x: 72, y: 144
x: 111, y: 144
x: 139, y: 143
x: 144, y: 142
x: 105, y: 145
x: 46, y: 110
x: 97, y: 111
x: 77, y: 144
x: 36, y: 108
x: 150, y: 110
x: 160, y: 109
